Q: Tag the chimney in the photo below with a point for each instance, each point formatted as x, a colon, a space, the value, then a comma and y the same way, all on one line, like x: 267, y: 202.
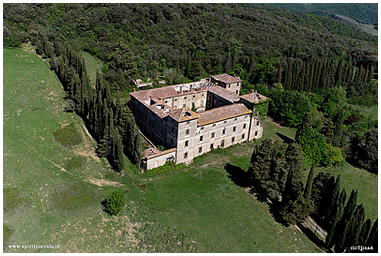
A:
x: 134, y: 89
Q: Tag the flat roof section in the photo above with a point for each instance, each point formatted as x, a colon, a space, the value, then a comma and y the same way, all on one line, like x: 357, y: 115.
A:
x: 222, y: 113
x: 183, y: 114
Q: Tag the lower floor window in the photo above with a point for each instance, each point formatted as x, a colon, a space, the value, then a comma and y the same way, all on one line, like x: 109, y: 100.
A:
x: 200, y: 150
x: 186, y: 155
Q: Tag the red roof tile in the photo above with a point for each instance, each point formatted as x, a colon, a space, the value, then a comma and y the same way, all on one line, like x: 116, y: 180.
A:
x: 221, y: 113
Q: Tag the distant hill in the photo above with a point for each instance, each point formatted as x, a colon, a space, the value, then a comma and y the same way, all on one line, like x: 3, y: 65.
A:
x: 362, y: 13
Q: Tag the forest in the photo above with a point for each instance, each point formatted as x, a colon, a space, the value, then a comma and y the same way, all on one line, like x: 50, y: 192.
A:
x: 318, y: 73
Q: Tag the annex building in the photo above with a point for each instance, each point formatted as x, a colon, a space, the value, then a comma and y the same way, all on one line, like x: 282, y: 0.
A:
x: 191, y: 119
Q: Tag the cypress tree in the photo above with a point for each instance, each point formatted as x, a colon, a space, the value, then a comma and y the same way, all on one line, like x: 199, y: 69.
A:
x: 354, y: 227
x: 373, y: 238
x: 338, y: 132
x: 341, y: 230
x: 337, y: 213
x: 365, y: 228
x: 333, y: 199
x: 307, y: 192
x: 260, y: 165
x: 322, y: 188
x: 119, y: 153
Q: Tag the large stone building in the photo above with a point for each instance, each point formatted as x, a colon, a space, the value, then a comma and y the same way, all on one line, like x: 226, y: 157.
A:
x: 191, y: 119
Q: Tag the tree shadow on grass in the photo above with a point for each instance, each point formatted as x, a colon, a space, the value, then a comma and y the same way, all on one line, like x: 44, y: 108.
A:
x: 285, y: 138
x: 237, y: 175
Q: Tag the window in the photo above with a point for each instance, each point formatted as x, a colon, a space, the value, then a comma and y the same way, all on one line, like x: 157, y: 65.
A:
x: 202, y: 102
x: 234, y: 128
x: 200, y: 150
x: 184, y: 105
x: 233, y: 140
x: 185, y: 98
x: 235, y: 119
x: 246, y: 116
x: 212, y: 135
x: 222, y: 143
x: 188, y: 122
x: 187, y: 131
x: 256, y: 133
x: 194, y: 96
x: 257, y: 123
x: 211, y: 146
x: 175, y: 99
x: 243, y: 136
x: 186, y: 155
x: 165, y: 101
x: 223, y: 131
x: 244, y: 126
x: 236, y: 92
x: 202, y: 128
x: 214, y: 125
x: 186, y: 143
x: 173, y: 130
x: 225, y: 122
x: 202, y: 95
x: 201, y: 138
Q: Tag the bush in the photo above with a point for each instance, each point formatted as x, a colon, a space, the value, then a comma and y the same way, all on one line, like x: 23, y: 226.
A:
x: 333, y: 156
x: 313, y: 145
x: 68, y: 136
x: 114, y: 202
x: 289, y: 106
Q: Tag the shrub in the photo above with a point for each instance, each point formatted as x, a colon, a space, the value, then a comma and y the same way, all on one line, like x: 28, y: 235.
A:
x: 313, y: 145
x: 333, y: 156
x: 68, y: 136
x: 289, y: 106
x: 114, y: 202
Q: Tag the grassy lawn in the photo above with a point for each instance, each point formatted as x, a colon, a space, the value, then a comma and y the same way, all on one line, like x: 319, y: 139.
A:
x: 52, y: 193
x: 92, y: 65
x: 368, y: 111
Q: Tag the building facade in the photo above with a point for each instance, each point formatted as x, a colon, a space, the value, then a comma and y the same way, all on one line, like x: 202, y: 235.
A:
x: 191, y: 119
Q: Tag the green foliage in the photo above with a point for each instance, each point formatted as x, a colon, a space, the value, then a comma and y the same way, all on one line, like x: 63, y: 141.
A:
x: 7, y: 232
x: 75, y: 162
x: 366, y: 151
x: 114, y: 202
x: 261, y: 109
x: 290, y: 107
x: 68, y: 136
x: 11, y: 42
x: 161, y: 147
x: 334, y: 99
x: 313, y: 145
x: 333, y: 156
x: 11, y: 199
x: 166, y: 168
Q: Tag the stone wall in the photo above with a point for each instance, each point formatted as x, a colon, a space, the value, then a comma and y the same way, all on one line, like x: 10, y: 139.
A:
x: 160, y: 159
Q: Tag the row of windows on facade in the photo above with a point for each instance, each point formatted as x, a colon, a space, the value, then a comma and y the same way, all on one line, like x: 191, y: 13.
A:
x: 212, y: 145
x: 213, y: 134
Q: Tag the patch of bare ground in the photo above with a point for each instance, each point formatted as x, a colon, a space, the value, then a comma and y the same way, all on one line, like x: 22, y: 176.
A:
x: 101, y: 183
x: 27, y: 47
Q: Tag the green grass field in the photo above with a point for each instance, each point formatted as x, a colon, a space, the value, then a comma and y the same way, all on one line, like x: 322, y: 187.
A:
x: 53, y: 193
x: 92, y: 65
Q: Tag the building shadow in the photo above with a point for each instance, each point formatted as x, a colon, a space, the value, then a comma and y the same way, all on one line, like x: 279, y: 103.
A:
x: 285, y: 138
x: 237, y: 175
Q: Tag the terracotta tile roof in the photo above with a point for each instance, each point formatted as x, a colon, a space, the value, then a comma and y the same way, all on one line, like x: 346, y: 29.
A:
x: 160, y: 93
x: 183, y: 114
x: 221, y: 113
x: 224, y: 93
x: 227, y: 79
x: 159, y: 108
x: 254, y: 97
